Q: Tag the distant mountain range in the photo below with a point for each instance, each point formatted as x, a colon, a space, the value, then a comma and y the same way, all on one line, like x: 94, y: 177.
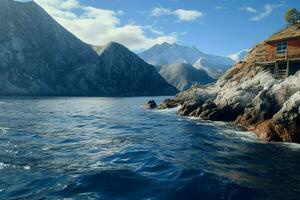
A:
x: 240, y: 56
x: 184, y: 75
x: 166, y: 54
x: 39, y: 57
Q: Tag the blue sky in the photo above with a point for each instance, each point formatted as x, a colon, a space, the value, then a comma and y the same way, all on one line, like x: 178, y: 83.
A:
x: 218, y: 27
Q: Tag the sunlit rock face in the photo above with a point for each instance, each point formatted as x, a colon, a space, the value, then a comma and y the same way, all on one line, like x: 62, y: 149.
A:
x: 39, y: 57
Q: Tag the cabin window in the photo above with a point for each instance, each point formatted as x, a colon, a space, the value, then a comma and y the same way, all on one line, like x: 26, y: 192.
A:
x: 281, y: 47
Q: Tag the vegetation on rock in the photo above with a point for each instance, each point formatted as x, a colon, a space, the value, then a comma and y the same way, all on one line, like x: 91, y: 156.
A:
x: 292, y: 16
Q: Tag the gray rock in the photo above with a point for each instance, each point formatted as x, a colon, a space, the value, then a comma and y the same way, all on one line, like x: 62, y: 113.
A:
x: 150, y: 104
x: 168, y: 103
x: 187, y: 108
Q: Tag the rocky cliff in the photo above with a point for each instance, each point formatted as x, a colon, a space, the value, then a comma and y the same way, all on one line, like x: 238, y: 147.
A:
x: 248, y: 95
x: 39, y: 57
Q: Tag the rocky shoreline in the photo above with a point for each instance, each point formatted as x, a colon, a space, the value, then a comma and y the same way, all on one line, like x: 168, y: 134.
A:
x: 247, y: 95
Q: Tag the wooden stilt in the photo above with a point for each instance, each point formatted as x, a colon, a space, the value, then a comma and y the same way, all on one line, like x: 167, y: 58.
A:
x: 280, y: 72
x: 288, y: 68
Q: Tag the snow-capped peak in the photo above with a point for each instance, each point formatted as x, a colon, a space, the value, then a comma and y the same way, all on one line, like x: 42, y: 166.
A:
x: 239, y: 56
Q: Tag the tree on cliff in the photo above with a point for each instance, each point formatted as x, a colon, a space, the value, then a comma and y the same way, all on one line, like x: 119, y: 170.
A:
x: 292, y: 16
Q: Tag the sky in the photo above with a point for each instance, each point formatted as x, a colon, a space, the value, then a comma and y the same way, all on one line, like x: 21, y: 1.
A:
x: 219, y: 27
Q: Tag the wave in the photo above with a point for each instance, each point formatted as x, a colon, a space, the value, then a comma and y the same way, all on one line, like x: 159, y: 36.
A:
x: 3, y: 165
x: 243, y: 135
x: 6, y: 165
x: 170, y: 110
x: 228, y: 130
x: 3, y: 130
x: 292, y: 146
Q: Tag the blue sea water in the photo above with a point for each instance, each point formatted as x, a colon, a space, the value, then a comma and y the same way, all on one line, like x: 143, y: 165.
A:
x: 112, y: 148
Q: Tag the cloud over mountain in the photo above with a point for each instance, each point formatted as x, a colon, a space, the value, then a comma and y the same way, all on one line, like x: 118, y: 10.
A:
x: 181, y: 14
x: 98, y: 26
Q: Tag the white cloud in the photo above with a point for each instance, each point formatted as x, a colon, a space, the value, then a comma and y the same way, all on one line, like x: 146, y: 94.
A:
x: 181, y: 14
x: 99, y: 26
x: 221, y: 8
x: 156, y: 12
x: 188, y: 15
x: 153, y: 30
x: 267, y: 11
x: 249, y: 9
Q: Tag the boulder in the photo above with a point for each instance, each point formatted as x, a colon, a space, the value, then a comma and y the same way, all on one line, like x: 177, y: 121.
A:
x: 168, y: 103
x: 197, y: 112
x: 188, y: 108
x: 214, y: 114
x: 209, y: 104
x: 286, y: 123
x: 262, y: 108
x: 150, y: 104
x: 284, y: 126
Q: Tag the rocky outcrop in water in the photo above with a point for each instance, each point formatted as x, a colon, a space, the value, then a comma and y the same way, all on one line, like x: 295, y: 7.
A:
x: 39, y: 57
x: 248, y: 95
x: 168, y: 103
x: 150, y: 104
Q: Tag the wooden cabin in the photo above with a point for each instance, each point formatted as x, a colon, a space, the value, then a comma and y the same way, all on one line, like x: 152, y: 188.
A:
x: 282, y: 52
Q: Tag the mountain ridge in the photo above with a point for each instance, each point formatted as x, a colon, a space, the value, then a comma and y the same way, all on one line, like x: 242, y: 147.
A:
x: 184, y: 75
x: 166, y: 54
x: 40, y: 57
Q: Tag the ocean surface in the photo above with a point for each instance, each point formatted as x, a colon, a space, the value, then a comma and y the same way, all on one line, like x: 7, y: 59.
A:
x: 112, y: 148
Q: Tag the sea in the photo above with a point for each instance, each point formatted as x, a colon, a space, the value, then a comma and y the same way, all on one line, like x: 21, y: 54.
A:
x: 113, y: 148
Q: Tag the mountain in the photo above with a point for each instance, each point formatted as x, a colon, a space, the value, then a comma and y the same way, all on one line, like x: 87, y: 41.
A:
x: 240, y: 56
x: 184, y: 75
x: 166, y: 54
x: 215, y: 66
x: 39, y: 57
x: 121, y: 71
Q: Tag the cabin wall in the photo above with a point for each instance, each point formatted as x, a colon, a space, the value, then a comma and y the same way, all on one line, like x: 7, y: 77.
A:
x: 270, y: 51
x: 294, y: 48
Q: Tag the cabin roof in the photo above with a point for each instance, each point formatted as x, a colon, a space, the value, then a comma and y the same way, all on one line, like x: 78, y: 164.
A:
x: 291, y: 32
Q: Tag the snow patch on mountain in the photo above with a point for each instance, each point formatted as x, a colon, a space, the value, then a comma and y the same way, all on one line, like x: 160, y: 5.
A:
x: 166, y: 54
x: 240, y: 56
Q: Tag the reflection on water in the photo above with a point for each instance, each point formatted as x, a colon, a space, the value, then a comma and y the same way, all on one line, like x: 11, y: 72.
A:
x: 111, y: 148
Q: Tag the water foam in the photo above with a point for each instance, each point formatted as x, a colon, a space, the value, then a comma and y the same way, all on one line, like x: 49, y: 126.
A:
x: 227, y: 130
x: 292, y: 146
x: 3, y: 130
x: 169, y: 110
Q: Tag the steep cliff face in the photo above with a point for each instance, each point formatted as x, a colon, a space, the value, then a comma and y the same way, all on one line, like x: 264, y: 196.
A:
x: 120, y: 71
x: 39, y: 57
x: 247, y: 94
x: 36, y: 53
